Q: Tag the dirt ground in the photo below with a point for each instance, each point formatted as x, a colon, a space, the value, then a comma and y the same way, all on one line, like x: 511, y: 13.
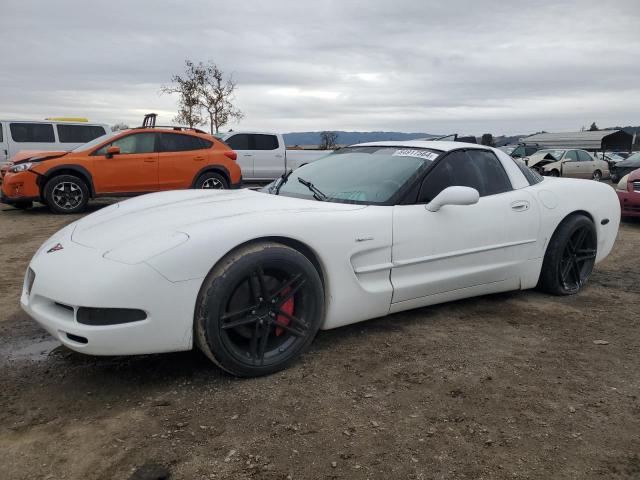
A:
x: 502, y: 386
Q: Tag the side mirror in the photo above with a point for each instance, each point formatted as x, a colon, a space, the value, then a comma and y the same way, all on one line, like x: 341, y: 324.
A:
x: 453, y: 196
x: 112, y: 150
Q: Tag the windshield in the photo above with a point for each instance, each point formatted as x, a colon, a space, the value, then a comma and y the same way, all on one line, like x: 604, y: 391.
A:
x: 95, y: 142
x: 632, y: 159
x: 366, y: 175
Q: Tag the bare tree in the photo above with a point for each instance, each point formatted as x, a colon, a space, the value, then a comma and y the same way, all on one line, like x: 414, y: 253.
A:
x: 187, y: 86
x: 215, y: 95
x: 116, y: 127
x: 328, y: 140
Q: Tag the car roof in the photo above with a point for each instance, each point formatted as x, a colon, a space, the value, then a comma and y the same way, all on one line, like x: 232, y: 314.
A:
x: 432, y: 144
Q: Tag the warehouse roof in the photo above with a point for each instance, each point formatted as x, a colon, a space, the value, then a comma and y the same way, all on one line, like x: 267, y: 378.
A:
x: 588, y: 140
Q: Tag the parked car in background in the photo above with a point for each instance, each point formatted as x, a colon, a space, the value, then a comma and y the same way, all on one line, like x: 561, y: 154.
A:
x: 126, y: 163
x: 263, y: 156
x: 612, y: 157
x: 559, y: 162
x: 508, y: 149
x: 524, y: 151
x: 19, y: 135
x: 624, y: 167
x: 628, y: 190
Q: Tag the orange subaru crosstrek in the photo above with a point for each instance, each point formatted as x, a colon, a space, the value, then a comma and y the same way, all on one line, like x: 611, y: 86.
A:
x: 139, y: 160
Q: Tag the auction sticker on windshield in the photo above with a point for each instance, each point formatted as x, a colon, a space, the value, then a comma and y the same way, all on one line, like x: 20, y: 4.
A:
x: 410, y: 152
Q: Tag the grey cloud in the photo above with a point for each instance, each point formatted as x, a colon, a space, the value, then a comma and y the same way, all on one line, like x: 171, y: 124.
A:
x: 463, y: 66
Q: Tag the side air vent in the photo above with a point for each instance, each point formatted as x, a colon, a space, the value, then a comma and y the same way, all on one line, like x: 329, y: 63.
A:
x: 109, y: 316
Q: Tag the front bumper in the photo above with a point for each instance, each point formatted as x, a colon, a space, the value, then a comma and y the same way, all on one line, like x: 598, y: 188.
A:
x: 629, y: 203
x: 19, y: 187
x: 77, y: 276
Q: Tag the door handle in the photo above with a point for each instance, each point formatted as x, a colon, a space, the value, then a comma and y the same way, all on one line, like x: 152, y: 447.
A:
x: 149, y: 160
x: 520, y: 206
x: 199, y: 159
x: 247, y: 155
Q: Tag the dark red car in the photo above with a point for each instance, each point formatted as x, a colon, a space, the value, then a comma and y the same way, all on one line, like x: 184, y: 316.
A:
x: 629, y: 195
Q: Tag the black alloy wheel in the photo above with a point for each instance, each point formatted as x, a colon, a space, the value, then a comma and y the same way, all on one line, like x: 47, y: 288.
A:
x: 259, y: 309
x: 578, y: 258
x: 570, y: 256
x: 66, y: 194
x: 211, y: 181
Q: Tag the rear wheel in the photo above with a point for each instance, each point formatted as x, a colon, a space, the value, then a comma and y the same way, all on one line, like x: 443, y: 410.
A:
x: 570, y: 256
x: 259, y: 309
x: 212, y: 181
x: 66, y: 194
x: 597, y: 176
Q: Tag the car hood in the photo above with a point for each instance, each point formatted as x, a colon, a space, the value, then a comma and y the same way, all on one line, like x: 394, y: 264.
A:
x: 629, y: 163
x: 184, y: 210
x: 540, y: 160
x: 35, y: 156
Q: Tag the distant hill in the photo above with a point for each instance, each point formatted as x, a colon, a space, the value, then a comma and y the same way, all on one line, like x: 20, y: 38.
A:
x: 348, y: 138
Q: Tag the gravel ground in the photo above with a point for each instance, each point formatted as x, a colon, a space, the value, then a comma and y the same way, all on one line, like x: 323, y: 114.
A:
x: 502, y: 386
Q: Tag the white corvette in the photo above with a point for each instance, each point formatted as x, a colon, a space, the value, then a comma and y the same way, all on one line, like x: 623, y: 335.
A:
x: 250, y: 276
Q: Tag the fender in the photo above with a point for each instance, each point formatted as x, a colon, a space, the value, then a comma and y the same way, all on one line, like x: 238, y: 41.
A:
x: 43, y: 177
x: 212, y: 168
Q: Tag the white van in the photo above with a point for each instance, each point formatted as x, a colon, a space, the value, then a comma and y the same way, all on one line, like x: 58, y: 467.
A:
x: 17, y: 135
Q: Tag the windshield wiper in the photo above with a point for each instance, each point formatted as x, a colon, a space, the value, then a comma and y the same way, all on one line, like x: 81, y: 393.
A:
x: 283, y: 179
x: 317, y: 194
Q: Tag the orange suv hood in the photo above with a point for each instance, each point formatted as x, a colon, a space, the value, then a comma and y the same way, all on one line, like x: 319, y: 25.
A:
x: 35, y: 155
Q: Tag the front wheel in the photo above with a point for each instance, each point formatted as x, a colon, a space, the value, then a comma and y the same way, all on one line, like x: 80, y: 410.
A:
x: 555, y: 173
x: 211, y: 181
x: 66, y: 194
x: 597, y: 176
x: 259, y: 309
x: 570, y: 256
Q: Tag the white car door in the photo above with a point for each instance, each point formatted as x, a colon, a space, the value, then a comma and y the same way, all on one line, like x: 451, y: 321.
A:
x: 4, y: 145
x: 463, y: 246
x: 241, y: 143
x: 268, y: 156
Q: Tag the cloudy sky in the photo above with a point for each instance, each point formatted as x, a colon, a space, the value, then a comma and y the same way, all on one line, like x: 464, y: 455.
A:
x: 467, y: 66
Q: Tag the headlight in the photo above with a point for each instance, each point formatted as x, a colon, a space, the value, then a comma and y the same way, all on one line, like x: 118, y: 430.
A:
x: 21, y: 167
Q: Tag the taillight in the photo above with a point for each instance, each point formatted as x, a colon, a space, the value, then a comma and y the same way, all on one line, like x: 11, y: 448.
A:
x: 231, y: 154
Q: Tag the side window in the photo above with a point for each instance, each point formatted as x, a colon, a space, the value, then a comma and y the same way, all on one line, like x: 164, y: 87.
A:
x: 266, y: 142
x: 584, y: 156
x: 32, y: 132
x: 571, y: 156
x: 79, y: 133
x: 1, y: 137
x: 239, y: 142
x: 476, y: 169
x: 175, y: 142
x: 135, y: 143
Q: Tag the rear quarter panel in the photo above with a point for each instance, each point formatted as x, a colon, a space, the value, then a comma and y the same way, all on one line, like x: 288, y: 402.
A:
x: 560, y: 197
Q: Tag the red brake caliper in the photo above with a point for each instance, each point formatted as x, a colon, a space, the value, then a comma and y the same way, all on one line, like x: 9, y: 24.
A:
x: 287, y: 307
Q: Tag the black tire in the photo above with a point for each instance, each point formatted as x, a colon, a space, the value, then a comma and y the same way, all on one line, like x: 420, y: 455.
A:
x: 570, y: 256
x: 554, y: 173
x: 212, y: 180
x: 22, y: 205
x: 276, y: 300
x: 597, y: 176
x: 66, y: 194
